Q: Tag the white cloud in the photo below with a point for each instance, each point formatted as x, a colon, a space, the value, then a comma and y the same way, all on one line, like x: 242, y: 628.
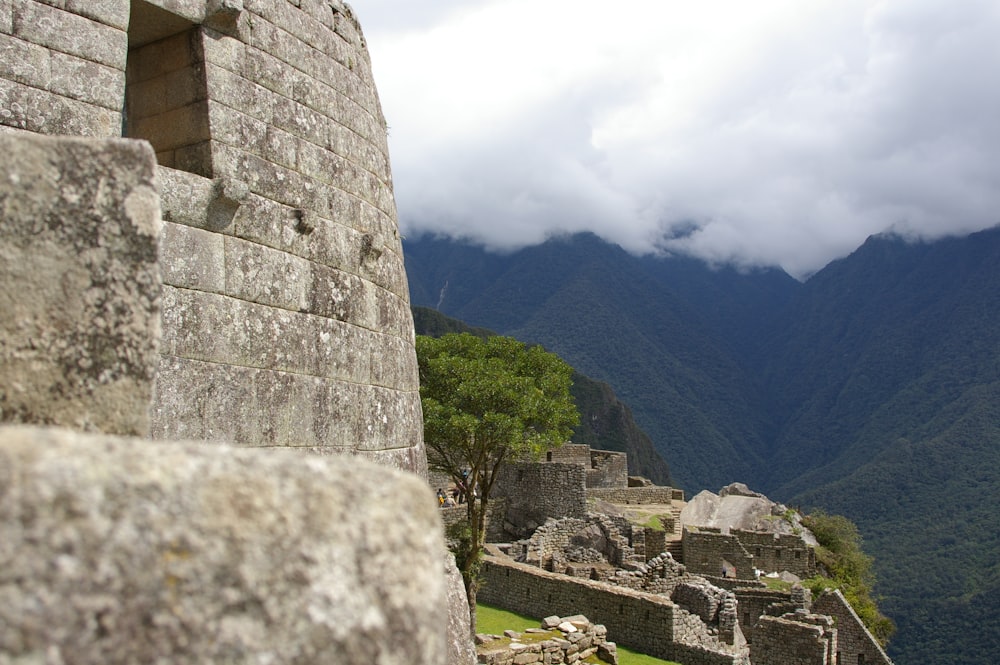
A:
x: 775, y: 132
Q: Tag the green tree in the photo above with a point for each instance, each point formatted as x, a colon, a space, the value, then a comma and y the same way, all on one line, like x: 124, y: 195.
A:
x: 487, y: 402
x: 848, y: 568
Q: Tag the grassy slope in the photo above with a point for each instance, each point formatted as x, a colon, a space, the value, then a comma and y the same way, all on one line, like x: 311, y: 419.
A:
x: 494, y: 621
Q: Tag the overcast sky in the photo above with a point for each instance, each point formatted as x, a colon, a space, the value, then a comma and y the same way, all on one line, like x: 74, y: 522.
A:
x: 772, y: 132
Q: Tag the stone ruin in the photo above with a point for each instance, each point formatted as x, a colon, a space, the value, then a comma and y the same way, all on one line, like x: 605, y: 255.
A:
x: 236, y: 276
x: 559, y: 641
x: 716, y: 618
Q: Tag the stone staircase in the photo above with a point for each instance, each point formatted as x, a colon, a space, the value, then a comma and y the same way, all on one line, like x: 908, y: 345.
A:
x: 673, y: 545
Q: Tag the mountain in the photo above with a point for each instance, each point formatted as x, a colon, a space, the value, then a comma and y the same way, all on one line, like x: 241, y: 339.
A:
x: 605, y: 422
x: 872, y: 390
x: 642, y: 332
x: 885, y: 372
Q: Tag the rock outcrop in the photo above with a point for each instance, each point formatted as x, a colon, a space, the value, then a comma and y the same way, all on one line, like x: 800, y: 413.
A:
x: 116, y: 550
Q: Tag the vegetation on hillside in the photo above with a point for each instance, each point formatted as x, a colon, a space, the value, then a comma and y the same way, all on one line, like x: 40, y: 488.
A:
x: 494, y: 621
x: 487, y: 402
x: 606, y: 423
x: 848, y: 568
x: 871, y: 390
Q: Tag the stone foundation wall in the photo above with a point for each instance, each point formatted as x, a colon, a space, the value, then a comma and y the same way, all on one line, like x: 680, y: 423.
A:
x: 778, y: 552
x: 753, y: 604
x: 286, y: 320
x: 558, y: 642
x: 607, y: 469
x: 643, y: 622
x: 794, y: 639
x: 634, y: 495
x: 537, y: 492
x: 853, y: 639
x: 705, y: 550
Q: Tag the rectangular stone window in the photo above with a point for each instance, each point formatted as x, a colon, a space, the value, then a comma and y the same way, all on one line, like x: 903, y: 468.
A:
x: 166, y: 96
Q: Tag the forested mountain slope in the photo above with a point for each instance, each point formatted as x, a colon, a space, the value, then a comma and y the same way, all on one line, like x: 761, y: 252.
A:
x: 873, y: 389
x: 605, y: 422
x: 614, y: 320
x: 885, y: 375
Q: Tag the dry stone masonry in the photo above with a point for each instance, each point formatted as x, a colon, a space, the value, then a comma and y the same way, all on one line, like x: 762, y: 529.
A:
x: 259, y: 300
x: 559, y: 641
x: 79, y: 283
x: 285, y: 310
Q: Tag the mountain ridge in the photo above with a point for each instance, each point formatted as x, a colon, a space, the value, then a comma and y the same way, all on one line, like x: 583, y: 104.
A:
x: 870, y: 389
x: 606, y: 423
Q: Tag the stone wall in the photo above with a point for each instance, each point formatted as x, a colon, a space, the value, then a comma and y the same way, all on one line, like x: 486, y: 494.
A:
x: 79, y: 283
x: 753, y: 604
x: 644, y: 622
x: 778, y: 552
x: 559, y: 641
x: 570, y: 453
x: 285, y: 310
x: 635, y: 495
x: 707, y: 550
x: 855, y: 644
x: 795, y: 639
x: 536, y: 492
x: 285, y: 307
x: 119, y: 550
x: 607, y: 469
x: 573, y: 542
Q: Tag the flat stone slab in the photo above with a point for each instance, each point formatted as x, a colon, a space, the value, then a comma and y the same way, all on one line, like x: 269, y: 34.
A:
x: 116, y: 550
x: 79, y: 282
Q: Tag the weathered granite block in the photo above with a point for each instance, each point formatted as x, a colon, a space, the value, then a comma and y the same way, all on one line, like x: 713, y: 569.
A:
x: 87, y: 81
x: 110, y: 12
x: 24, y: 62
x: 262, y: 275
x: 70, y: 33
x: 193, y: 258
x: 219, y: 329
x: 6, y: 16
x: 117, y: 550
x: 26, y: 107
x: 79, y: 307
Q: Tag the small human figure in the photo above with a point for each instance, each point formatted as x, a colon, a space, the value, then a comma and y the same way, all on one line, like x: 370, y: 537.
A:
x: 441, y: 497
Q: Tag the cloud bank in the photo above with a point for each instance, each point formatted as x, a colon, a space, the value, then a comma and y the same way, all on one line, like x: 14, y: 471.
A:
x: 770, y: 133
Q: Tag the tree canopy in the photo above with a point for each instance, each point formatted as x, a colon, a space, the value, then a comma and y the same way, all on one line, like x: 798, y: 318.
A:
x: 486, y: 402
x: 848, y: 568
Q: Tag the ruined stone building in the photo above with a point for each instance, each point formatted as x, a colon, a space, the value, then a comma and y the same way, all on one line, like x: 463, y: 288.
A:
x: 562, y: 554
x: 241, y: 281
x: 285, y: 308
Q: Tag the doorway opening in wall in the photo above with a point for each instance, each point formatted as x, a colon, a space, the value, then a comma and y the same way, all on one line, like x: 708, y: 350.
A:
x: 166, y: 96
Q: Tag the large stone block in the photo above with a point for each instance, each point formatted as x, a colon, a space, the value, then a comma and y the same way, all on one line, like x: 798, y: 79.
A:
x: 27, y: 107
x: 70, y: 33
x: 124, y: 551
x: 6, y: 17
x: 220, y: 329
x: 79, y: 303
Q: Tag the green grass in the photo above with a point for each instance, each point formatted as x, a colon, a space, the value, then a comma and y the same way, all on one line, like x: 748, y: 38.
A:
x: 494, y: 621
x: 654, y: 523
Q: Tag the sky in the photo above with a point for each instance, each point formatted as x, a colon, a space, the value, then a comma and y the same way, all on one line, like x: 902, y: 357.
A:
x: 765, y: 133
